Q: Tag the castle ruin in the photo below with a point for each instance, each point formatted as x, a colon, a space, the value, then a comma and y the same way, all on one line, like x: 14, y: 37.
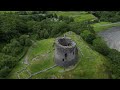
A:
x: 66, y: 52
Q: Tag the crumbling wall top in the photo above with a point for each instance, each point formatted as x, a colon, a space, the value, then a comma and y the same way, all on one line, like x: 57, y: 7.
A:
x: 65, y: 42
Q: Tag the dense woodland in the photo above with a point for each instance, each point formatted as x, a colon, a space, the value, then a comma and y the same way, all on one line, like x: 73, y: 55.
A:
x: 19, y: 30
x: 110, y: 16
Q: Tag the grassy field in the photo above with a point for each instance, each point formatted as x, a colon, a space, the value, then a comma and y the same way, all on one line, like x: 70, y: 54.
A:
x: 104, y: 25
x: 41, y: 56
x: 82, y: 16
x: 77, y: 15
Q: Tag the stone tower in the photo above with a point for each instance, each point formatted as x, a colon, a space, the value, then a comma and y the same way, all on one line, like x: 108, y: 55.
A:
x: 66, y: 52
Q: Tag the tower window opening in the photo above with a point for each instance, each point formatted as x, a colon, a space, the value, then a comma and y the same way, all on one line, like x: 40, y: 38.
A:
x: 65, y: 55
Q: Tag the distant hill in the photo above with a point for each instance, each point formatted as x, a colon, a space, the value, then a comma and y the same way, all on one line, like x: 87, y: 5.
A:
x: 78, y: 16
x: 39, y: 62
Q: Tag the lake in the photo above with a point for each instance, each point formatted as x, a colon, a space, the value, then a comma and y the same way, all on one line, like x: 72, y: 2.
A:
x: 112, y: 37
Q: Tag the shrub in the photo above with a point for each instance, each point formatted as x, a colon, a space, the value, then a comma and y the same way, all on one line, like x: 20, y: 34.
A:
x: 25, y: 40
x: 13, y: 48
x: 100, y: 46
x: 88, y: 36
x: 114, y: 57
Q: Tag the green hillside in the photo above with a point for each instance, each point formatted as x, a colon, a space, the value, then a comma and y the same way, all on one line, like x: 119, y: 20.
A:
x: 101, y: 26
x: 40, y: 58
x: 77, y: 15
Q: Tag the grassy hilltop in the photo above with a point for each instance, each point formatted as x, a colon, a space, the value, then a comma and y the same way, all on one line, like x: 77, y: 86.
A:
x: 77, y: 15
x: 40, y: 56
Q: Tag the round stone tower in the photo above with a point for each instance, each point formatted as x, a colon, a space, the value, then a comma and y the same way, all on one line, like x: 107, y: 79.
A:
x: 66, y: 52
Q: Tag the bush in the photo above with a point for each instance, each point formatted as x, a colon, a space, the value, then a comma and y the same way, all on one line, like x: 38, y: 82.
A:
x: 46, y: 35
x: 7, y: 63
x: 25, y: 40
x: 100, y: 46
x: 66, y: 19
x: 4, y: 72
x: 22, y: 12
x: 114, y: 57
x: 88, y: 36
x: 13, y: 48
x: 108, y: 16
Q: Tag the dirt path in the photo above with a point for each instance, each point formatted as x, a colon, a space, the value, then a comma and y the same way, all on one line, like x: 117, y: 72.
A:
x: 26, y: 60
x: 42, y: 71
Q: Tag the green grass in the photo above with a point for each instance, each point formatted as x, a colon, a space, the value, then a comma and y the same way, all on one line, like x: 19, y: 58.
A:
x: 83, y: 16
x: 104, y: 25
x: 77, y: 15
x: 41, y: 47
x: 42, y: 51
x: 91, y: 65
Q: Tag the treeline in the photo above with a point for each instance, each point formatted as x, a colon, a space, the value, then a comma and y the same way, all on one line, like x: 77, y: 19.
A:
x: 30, y: 12
x: 107, y: 16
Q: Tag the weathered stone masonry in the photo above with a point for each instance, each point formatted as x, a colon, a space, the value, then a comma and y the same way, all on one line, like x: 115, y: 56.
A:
x: 66, y: 52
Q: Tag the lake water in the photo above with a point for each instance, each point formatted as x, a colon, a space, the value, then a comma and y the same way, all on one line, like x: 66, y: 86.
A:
x: 112, y: 37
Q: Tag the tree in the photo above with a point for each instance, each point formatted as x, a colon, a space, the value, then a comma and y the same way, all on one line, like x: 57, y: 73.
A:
x: 25, y: 40
x: 114, y: 57
x: 88, y: 36
x: 60, y: 17
x: 55, y: 15
x: 22, y: 12
x: 7, y: 63
x: 4, y: 72
x: 109, y: 16
x: 71, y: 19
x: 100, y: 46
x: 46, y: 35
x: 30, y: 25
x: 35, y: 12
x: 13, y: 48
x: 58, y: 27
x: 28, y: 42
x: 49, y: 15
x: 21, y: 26
x: 8, y: 26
